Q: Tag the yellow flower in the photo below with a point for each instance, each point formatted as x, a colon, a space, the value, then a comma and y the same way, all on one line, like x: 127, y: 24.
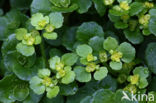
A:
x: 149, y: 5
x: 28, y: 39
x: 134, y: 79
x: 116, y: 56
x: 144, y: 19
x: 91, y: 67
x: 59, y: 66
x: 124, y: 5
x: 47, y: 81
x: 103, y: 56
x: 90, y: 57
x: 42, y: 23
x: 49, y: 28
x: 61, y: 72
x: 131, y: 88
x: 108, y: 2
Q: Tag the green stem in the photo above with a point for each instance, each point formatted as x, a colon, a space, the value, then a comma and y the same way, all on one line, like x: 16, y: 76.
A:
x: 42, y: 48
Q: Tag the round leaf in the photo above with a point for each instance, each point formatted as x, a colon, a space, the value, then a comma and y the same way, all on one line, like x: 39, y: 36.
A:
x: 128, y: 52
x: 87, y: 30
x: 51, y: 36
x: 101, y: 73
x: 81, y: 74
x: 83, y: 50
x: 151, y: 57
x: 110, y: 44
x: 25, y: 49
x: 134, y: 36
x: 116, y: 65
x: 68, y: 78
x: 20, y: 93
x: 56, y: 19
x: 52, y: 92
x: 69, y: 59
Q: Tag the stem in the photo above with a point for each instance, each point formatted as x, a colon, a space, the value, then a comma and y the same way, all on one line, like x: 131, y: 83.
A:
x: 42, y: 48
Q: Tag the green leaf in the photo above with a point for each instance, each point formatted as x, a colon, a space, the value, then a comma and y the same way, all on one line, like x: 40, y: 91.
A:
x: 57, y: 99
x: 20, y: 93
x: 18, y: 67
x: 20, y: 33
x: 116, y: 65
x: 128, y: 52
x: 38, y: 39
x: 56, y: 19
x: 81, y: 74
x: 87, y: 30
x: 128, y: 1
x: 152, y: 25
x: 136, y: 8
x: 9, y: 45
x: 32, y: 98
x: 96, y: 43
x: 68, y: 78
x: 42, y: 6
x: 1, y: 12
x: 120, y: 25
x: 110, y: 44
x: 36, y: 85
x: 60, y: 3
x: 8, y: 89
x: 69, y: 59
x: 69, y: 89
x: 101, y: 73
x: 83, y: 50
x: 102, y: 96
x: 134, y: 36
x: 20, y: 4
x: 71, y: 8
x: 51, y: 36
x: 44, y: 73
x: 141, y: 71
x: 25, y: 49
x: 143, y: 83
x: 84, y: 5
x: 150, y: 57
x: 53, y: 62
x: 69, y: 37
x: 99, y: 6
x: 52, y: 92
x: 152, y: 12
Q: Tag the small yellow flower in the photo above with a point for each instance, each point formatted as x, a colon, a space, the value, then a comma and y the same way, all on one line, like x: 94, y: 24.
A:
x: 61, y: 72
x: 103, y: 56
x: 49, y: 28
x: 108, y: 2
x: 131, y: 88
x: 149, y: 5
x: 28, y: 39
x: 59, y: 66
x: 47, y: 81
x: 116, y: 56
x: 144, y: 19
x: 90, y: 57
x: 91, y: 67
x: 124, y: 5
x: 42, y: 23
x: 134, y: 79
